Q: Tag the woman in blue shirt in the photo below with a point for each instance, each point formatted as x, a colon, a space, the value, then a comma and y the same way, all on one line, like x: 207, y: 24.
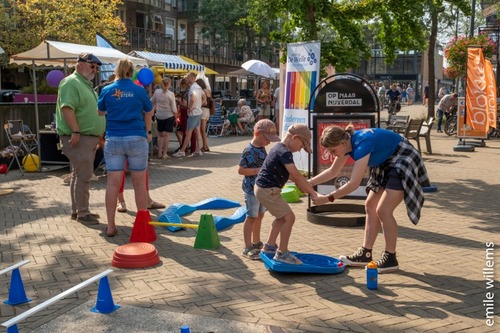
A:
x: 397, y: 173
x: 128, y: 112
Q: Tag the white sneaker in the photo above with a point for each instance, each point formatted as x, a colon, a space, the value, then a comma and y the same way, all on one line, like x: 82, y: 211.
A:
x: 180, y: 153
x: 198, y: 153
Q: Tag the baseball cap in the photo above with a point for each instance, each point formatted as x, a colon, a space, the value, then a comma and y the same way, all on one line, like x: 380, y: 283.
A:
x: 90, y: 58
x: 267, y: 128
x: 304, y: 134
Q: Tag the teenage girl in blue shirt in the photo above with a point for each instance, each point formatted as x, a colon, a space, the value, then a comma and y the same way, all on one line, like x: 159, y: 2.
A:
x: 397, y: 173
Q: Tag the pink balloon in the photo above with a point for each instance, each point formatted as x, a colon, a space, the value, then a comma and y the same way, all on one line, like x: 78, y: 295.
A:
x: 54, y: 78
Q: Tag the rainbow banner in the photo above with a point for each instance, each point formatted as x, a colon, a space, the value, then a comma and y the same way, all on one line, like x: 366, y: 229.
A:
x: 302, y: 74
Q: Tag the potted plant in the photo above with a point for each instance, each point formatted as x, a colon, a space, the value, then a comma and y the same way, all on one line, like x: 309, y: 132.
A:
x: 45, y: 94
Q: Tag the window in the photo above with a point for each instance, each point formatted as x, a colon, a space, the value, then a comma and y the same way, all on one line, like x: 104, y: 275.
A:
x: 158, y: 22
x: 182, y: 32
x: 170, y: 27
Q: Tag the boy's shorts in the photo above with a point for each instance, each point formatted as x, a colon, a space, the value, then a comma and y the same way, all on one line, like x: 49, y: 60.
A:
x: 272, y: 200
x: 254, y: 207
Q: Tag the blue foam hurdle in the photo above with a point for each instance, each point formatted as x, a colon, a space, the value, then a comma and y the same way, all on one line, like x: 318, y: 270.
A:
x: 311, y: 263
x: 174, y: 212
x: 173, y: 215
x: 222, y: 222
x: 215, y: 203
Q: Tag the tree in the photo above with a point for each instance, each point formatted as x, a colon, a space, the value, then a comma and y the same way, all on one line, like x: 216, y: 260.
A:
x: 344, y: 27
x: 27, y: 23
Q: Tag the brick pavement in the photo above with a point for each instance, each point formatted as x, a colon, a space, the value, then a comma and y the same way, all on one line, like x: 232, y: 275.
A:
x: 440, y: 287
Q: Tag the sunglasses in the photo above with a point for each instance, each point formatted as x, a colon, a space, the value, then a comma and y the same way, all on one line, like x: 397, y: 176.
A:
x: 92, y: 65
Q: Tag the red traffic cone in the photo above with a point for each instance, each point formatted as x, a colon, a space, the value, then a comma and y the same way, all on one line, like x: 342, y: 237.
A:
x: 142, y: 230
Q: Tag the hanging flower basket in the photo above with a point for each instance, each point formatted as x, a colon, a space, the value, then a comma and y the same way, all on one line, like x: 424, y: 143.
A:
x: 456, y: 53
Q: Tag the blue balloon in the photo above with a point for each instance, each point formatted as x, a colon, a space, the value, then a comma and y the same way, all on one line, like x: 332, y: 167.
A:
x: 146, y: 76
x: 54, y: 78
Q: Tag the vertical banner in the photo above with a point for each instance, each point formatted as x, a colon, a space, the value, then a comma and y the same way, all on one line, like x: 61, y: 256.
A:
x: 476, y: 94
x: 491, y: 90
x: 302, y: 74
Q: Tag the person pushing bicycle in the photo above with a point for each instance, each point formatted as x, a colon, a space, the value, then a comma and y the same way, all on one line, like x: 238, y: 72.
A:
x: 394, y: 97
x: 446, y: 104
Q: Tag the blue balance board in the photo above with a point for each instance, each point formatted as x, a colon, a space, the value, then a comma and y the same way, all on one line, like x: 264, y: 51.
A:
x: 430, y: 189
x: 311, y: 263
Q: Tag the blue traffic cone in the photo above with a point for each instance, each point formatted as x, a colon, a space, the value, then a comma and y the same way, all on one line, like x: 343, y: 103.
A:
x: 104, y: 302
x: 17, y: 295
x: 13, y: 329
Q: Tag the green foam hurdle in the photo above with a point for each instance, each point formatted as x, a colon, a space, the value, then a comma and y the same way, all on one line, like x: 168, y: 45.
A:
x: 207, y: 237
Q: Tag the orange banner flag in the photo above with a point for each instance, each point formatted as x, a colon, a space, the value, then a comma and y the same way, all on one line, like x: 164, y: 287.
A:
x: 476, y: 97
x: 491, y: 88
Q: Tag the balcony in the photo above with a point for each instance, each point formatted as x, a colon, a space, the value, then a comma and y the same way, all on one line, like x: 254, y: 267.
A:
x: 148, y: 4
x: 141, y: 39
x: 205, y: 52
x: 149, y: 40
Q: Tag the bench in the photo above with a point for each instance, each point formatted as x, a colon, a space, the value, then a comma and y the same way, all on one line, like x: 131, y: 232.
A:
x: 397, y: 123
x: 412, y: 131
x: 425, y: 132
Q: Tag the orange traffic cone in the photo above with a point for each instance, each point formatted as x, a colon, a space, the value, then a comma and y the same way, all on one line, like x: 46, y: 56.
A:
x: 142, y: 230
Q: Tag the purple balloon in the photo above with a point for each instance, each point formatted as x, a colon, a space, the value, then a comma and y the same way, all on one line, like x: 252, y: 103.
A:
x: 54, y: 78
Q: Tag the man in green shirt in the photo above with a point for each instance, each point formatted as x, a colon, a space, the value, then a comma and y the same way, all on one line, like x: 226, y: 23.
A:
x: 80, y: 129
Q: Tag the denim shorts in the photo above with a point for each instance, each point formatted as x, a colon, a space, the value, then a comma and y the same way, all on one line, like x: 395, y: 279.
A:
x: 133, y: 149
x: 193, y: 122
x: 254, y: 207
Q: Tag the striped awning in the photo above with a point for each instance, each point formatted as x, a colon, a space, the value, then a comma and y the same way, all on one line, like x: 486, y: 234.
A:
x: 169, y: 61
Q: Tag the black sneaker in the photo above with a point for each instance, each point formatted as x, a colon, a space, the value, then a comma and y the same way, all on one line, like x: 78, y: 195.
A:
x: 388, y: 263
x: 359, y: 258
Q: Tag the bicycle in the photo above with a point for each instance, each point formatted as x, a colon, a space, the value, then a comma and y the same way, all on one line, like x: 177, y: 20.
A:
x: 394, y: 107
x: 450, y: 126
x: 495, y: 132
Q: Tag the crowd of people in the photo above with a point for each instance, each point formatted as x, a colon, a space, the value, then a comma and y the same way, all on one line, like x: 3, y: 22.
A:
x: 120, y: 118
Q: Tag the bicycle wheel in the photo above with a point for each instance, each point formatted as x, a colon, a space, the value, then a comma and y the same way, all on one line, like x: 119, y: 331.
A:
x: 450, y: 126
x: 392, y: 108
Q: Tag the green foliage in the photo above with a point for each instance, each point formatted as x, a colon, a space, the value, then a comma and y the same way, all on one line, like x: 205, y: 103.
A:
x: 42, y: 88
x: 347, y: 28
x: 28, y: 23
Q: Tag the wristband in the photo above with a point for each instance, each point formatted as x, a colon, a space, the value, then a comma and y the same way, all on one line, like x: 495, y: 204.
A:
x: 149, y: 132
x: 331, y: 198
x: 76, y: 132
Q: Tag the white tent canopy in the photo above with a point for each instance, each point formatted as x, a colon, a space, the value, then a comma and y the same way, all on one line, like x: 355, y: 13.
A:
x: 51, y: 53
x: 170, y: 61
